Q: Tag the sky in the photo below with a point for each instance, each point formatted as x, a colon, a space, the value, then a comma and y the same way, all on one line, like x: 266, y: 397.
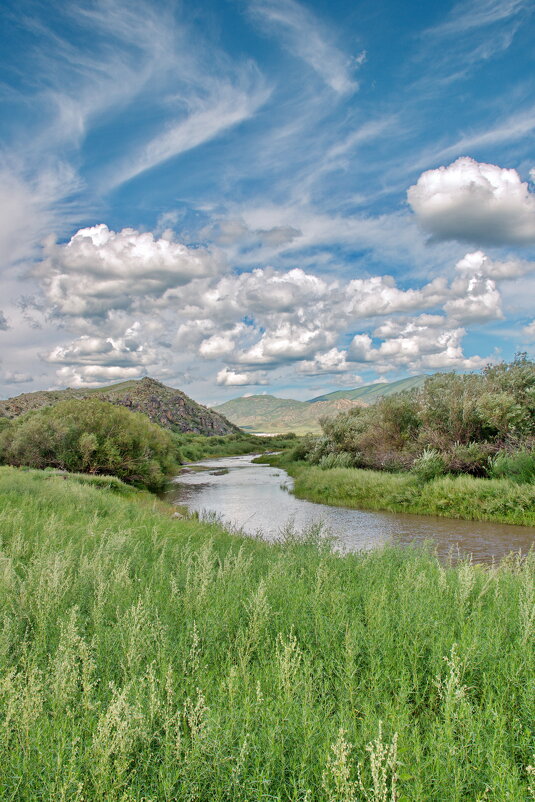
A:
x: 250, y: 196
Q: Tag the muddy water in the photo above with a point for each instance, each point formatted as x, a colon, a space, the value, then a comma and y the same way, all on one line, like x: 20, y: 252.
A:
x: 256, y: 499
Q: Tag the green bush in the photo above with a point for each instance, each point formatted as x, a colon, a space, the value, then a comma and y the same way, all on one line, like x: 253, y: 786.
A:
x: 519, y: 466
x: 94, y: 437
x: 429, y: 466
x: 472, y: 458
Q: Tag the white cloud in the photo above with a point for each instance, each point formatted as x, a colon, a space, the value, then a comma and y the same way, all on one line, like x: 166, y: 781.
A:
x: 286, y: 343
x: 478, y: 300
x: 332, y: 361
x: 95, y: 375
x: 99, y: 270
x: 221, y: 344
x: 475, y: 202
x: 466, y: 16
x: 230, y: 378
x: 15, y: 377
x: 479, y: 262
x: 305, y: 36
x: 226, y: 106
x: 529, y: 331
x: 417, y: 344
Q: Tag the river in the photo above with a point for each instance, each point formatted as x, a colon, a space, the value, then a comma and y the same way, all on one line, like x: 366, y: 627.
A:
x: 257, y: 499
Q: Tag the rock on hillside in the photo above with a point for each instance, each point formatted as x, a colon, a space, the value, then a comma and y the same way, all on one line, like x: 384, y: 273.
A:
x: 166, y: 406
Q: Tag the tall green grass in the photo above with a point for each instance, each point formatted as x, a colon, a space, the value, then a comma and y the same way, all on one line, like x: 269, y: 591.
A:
x: 500, y: 500
x: 146, y: 658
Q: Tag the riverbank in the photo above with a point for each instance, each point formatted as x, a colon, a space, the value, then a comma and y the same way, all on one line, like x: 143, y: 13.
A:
x: 466, y: 497
x: 146, y: 657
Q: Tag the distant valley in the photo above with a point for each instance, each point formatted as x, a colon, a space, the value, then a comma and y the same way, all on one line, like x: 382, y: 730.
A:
x: 269, y: 414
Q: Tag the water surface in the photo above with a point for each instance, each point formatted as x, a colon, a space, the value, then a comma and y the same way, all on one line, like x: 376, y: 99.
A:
x: 256, y: 499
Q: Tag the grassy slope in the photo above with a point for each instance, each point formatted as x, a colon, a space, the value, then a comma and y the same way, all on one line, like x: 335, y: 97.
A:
x: 265, y: 413
x: 465, y: 497
x: 371, y: 392
x: 158, y: 659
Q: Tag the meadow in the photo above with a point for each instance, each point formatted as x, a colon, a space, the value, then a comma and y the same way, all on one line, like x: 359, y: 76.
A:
x: 467, y: 497
x: 150, y: 658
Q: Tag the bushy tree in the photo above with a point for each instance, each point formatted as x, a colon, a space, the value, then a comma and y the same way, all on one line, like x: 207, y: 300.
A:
x: 92, y: 436
x: 459, y: 422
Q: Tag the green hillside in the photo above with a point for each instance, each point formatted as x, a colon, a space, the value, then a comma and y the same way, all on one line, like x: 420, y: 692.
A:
x: 371, y: 392
x: 266, y: 413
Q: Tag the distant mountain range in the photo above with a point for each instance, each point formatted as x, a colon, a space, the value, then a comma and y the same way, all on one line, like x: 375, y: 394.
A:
x: 166, y: 406
x: 266, y: 413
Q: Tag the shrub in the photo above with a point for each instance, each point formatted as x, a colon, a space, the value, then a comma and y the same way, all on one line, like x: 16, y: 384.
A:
x: 519, y: 466
x: 472, y: 458
x: 341, y: 460
x: 95, y: 437
x: 429, y: 466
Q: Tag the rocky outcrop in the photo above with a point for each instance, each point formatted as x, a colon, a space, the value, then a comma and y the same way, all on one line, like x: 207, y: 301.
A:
x: 165, y: 406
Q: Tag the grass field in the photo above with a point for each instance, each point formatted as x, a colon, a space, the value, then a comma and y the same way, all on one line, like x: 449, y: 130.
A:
x: 466, y: 497
x: 148, y: 658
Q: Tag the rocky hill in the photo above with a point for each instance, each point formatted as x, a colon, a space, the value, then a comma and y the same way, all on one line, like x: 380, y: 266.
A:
x: 166, y: 406
x: 266, y: 413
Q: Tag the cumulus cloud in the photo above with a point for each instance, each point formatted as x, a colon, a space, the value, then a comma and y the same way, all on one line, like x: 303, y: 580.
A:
x: 478, y: 300
x: 418, y: 344
x: 231, y: 378
x: 99, y: 269
x: 286, y: 343
x: 332, y: 361
x: 475, y: 202
x: 479, y: 262
x: 3, y: 322
x: 379, y: 295
x: 95, y: 375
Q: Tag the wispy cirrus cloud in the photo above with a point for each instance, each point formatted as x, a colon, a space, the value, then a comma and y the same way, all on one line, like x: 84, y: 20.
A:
x: 468, y: 16
x: 304, y: 36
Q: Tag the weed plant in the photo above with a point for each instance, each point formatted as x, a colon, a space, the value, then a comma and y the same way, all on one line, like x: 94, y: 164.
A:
x: 146, y: 658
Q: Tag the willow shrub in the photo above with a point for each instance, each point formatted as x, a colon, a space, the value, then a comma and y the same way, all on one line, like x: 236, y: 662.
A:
x: 92, y: 436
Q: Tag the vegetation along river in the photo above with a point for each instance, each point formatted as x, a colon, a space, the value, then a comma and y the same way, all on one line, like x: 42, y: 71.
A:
x: 256, y: 499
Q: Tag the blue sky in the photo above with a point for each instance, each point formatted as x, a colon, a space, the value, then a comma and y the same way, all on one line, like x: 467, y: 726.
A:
x: 266, y: 195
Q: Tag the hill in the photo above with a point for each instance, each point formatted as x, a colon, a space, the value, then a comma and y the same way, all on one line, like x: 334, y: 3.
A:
x: 166, y: 406
x: 371, y: 392
x: 266, y: 413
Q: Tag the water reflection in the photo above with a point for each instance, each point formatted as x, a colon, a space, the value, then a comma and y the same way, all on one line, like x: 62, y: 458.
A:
x: 255, y: 498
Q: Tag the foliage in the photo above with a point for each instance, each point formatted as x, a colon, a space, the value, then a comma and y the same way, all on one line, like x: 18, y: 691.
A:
x: 464, y: 496
x: 519, y: 467
x: 466, y: 419
x: 194, y: 447
x: 430, y: 465
x: 145, y: 658
x: 94, y: 437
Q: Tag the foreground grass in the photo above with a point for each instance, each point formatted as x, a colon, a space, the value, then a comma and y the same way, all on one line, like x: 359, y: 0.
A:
x: 145, y: 658
x: 465, y: 497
